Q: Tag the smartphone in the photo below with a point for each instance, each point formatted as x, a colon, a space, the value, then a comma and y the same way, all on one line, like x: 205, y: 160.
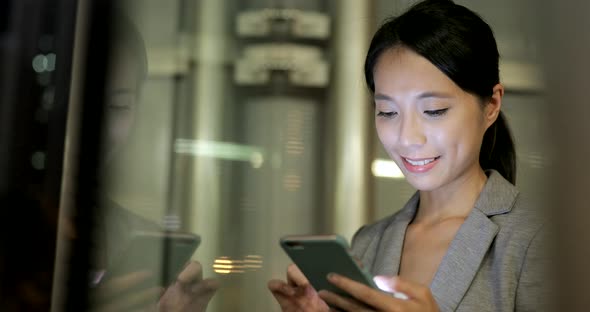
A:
x: 318, y: 255
x: 162, y: 254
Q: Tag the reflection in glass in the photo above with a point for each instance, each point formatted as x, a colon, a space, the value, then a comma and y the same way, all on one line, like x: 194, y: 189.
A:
x: 251, y: 123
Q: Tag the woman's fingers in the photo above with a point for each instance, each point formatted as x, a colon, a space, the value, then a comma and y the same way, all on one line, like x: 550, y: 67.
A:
x: 190, y: 292
x: 280, y: 287
x: 367, y: 295
x: 283, y: 293
x: 192, y: 273
x: 296, y: 294
x: 206, y: 286
x: 409, y: 288
x: 192, y: 297
x: 296, y: 298
x: 386, y: 283
x: 288, y: 297
x: 117, y: 285
x: 342, y: 303
x: 295, y: 277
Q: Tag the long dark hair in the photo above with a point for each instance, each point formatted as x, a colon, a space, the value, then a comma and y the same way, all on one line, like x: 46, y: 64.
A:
x: 461, y: 45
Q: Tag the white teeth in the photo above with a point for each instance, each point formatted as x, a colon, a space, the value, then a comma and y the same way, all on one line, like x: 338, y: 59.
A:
x: 420, y: 162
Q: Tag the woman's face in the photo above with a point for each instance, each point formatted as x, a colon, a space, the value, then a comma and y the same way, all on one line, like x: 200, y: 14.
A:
x: 429, y: 126
x: 120, y: 104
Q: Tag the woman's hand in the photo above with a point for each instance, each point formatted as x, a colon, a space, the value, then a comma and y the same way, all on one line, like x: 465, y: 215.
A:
x: 296, y: 294
x: 122, y: 294
x: 365, y: 298
x: 190, y: 292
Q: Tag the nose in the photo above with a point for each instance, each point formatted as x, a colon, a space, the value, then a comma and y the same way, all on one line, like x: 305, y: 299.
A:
x: 411, y: 132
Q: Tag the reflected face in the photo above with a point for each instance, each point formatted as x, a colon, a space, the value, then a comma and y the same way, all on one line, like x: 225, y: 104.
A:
x: 120, y: 107
x: 427, y: 124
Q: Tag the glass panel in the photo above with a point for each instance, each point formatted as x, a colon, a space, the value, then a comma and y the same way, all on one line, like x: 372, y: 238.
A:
x: 252, y: 122
x: 224, y: 139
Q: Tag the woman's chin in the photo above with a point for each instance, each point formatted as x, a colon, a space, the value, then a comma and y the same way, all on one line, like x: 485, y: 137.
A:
x: 423, y: 183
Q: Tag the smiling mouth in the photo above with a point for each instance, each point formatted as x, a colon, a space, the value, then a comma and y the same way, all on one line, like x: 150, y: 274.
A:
x: 420, y: 162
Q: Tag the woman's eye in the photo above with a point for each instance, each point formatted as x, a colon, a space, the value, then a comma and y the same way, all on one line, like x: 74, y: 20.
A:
x: 436, y: 112
x: 386, y: 114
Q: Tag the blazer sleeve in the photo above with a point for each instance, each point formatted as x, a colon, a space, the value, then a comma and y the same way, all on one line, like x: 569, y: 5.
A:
x: 533, y: 292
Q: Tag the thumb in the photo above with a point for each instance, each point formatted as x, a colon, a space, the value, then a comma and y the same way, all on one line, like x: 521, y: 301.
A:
x: 384, y: 282
x: 393, y: 285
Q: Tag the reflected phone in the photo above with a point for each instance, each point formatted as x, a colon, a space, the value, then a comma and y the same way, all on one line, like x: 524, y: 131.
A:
x: 162, y: 254
x: 318, y: 255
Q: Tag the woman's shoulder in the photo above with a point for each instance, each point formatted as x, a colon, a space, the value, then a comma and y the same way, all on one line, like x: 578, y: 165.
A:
x: 368, y: 232
x: 522, y: 220
x: 509, y: 207
x: 526, y: 218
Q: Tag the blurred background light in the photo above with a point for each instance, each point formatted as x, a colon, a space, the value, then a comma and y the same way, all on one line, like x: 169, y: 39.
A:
x: 42, y: 63
x: 386, y: 169
x: 221, y: 150
x: 38, y: 160
x: 226, y: 265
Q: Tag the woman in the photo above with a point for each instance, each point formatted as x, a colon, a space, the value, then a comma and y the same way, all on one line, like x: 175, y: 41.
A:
x: 113, y: 225
x: 465, y: 241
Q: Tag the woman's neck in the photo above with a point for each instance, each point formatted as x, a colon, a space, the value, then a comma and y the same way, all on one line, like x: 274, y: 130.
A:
x: 454, y: 200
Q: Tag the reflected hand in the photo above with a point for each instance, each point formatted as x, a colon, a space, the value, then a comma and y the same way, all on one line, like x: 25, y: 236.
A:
x: 296, y: 294
x: 365, y: 298
x: 190, y: 292
x: 121, y: 294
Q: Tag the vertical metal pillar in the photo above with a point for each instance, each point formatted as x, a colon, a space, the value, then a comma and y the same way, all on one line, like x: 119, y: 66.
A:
x: 207, y: 126
x: 71, y: 151
x: 351, y: 149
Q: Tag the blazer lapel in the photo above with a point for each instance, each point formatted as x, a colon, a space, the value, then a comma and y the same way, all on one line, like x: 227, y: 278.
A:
x: 391, y: 242
x: 471, y: 243
x: 462, y: 260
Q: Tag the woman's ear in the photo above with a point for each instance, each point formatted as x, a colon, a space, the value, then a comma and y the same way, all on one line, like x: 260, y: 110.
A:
x: 492, y: 108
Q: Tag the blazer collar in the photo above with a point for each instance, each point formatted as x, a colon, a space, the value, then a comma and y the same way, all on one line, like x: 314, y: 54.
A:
x: 498, y: 195
x: 467, y: 249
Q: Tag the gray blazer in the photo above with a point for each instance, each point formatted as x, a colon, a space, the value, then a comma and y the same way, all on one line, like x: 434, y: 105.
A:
x: 496, y: 262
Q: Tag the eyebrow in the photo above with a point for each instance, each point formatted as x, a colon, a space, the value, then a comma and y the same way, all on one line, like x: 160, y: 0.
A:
x: 424, y: 95
x: 434, y: 94
x: 383, y: 97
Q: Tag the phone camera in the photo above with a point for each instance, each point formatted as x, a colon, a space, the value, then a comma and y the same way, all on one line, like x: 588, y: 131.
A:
x: 294, y: 245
